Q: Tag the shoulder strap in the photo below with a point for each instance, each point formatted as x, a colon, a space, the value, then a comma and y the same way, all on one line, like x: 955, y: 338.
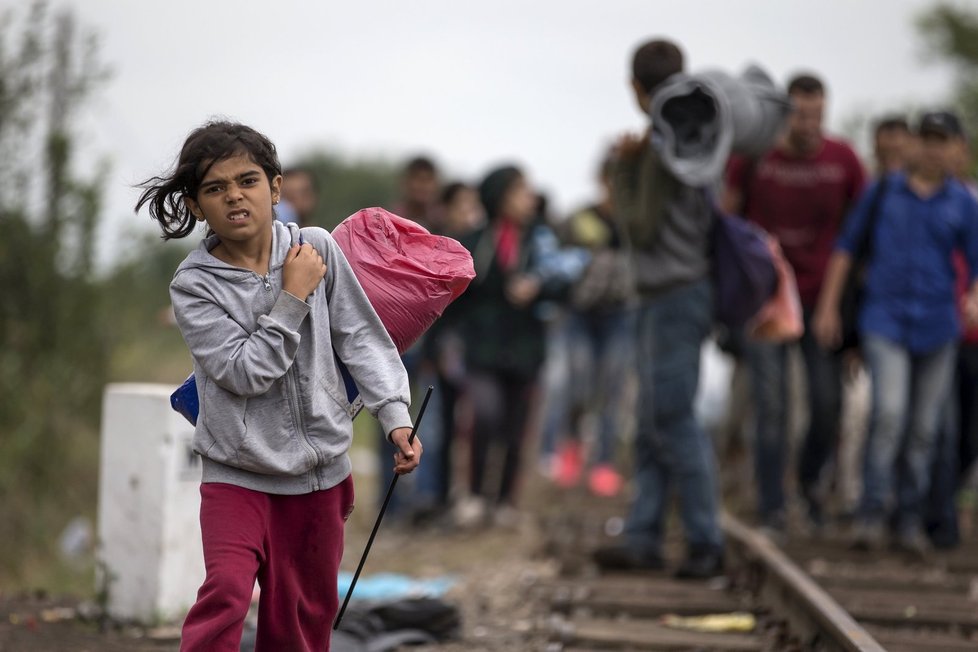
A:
x: 865, y: 246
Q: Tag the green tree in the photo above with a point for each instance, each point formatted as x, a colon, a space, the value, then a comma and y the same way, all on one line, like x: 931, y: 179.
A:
x: 950, y: 31
x: 53, y: 352
x: 347, y: 186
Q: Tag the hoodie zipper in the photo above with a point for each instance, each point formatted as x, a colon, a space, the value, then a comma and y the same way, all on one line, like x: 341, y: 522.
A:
x: 299, y: 424
x: 294, y: 405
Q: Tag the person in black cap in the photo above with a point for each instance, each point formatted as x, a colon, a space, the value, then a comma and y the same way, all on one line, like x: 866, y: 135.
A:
x: 909, y: 323
x: 957, y: 445
x: 943, y: 125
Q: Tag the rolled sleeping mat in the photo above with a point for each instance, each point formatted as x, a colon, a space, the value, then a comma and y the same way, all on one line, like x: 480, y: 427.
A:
x: 699, y: 120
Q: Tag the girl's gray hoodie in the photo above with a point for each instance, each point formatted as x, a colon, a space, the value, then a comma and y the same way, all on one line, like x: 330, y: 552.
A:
x: 273, y: 408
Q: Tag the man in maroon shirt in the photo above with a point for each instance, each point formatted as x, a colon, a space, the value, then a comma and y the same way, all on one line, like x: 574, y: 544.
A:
x: 800, y: 192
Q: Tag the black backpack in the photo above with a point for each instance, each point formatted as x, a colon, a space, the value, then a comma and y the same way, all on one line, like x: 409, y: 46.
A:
x: 853, y: 291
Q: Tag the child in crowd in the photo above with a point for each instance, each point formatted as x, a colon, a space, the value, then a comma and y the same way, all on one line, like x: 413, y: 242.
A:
x: 263, y: 307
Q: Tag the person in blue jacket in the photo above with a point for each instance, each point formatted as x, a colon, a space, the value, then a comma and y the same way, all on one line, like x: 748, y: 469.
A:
x: 908, y: 321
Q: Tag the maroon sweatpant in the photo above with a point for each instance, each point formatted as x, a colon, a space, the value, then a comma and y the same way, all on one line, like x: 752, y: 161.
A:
x: 292, y: 544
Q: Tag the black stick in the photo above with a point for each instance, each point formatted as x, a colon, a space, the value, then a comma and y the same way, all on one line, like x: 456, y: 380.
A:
x: 383, y: 508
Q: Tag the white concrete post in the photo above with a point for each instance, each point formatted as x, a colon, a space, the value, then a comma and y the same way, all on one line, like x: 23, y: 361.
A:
x: 150, y: 558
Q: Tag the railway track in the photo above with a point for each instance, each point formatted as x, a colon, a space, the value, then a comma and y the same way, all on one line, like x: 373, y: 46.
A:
x: 907, y: 605
x: 808, y: 595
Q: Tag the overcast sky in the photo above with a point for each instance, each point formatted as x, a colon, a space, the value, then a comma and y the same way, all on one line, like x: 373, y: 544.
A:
x: 539, y: 82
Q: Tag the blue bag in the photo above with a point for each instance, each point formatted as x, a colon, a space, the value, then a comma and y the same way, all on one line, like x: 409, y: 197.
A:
x: 185, y: 400
x: 744, y: 275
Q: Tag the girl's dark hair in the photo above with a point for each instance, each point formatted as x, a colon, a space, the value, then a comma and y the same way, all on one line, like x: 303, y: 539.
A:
x: 493, y: 189
x: 205, y: 146
x: 452, y: 190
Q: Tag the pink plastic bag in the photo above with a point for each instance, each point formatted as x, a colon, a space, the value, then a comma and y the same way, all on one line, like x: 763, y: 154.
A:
x: 780, y: 319
x: 409, y: 275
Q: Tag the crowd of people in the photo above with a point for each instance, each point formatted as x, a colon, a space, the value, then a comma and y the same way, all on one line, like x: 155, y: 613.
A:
x: 583, y: 333
x: 573, y: 334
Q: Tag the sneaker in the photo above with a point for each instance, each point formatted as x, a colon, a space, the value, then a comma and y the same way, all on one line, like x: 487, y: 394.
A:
x: 604, y: 481
x: 570, y: 463
x: 507, y: 517
x: 623, y: 558
x: 913, y: 543
x: 868, y: 536
x: 814, y: 508
x: 774, y: 528
x: 945, y: 538
x: 471, y: 512
x: 701, y: 564
x: 547, y: 466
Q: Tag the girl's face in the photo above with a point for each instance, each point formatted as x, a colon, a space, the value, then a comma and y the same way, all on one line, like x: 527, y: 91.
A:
x: 462, y: 213
x: 520, y: 202
x: 235, y: 198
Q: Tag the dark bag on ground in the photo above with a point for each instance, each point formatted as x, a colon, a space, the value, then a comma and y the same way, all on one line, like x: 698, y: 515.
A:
x: 744, y: 274
x: 851, y: 301
x: 387, y: 625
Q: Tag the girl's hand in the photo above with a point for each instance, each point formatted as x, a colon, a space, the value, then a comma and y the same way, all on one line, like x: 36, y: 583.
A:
x: 522, y: 290
x: 304, y: 270
x: 408, y: 456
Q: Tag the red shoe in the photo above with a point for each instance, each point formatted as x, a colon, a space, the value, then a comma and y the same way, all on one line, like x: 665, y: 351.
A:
x: 570, y: 463
x: 604, y: 481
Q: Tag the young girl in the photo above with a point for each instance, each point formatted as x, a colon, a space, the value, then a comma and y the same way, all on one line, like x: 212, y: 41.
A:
x: 263, y: 315
x: 504, y: 341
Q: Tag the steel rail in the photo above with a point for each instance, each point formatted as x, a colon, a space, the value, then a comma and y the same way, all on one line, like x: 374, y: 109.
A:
x: 811, y: 613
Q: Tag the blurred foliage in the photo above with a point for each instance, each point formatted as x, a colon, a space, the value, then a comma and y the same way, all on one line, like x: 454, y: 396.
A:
x: 64, y: 330
x: 344, y: 187
x: 950, y: 31
x: 53, y: 349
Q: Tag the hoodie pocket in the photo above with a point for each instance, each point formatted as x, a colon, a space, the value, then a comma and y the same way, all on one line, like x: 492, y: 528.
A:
x: 336, y: 389
x: 253, y: 434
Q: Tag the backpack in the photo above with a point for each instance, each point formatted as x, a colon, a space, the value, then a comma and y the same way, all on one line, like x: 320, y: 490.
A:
x: 853, y: 292
x: 606, y: 282
x: 642, y: 190
x: 744, y: 274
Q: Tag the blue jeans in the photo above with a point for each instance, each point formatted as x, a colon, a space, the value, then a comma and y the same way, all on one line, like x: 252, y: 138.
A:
x: 769, y: 384
x: 670, y: 446
x: 426, y: 487
x: 556, y: 386
x: 430, y: 483
x: 909, y: 391
x: 940, y: 510
x: 601, y: 355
